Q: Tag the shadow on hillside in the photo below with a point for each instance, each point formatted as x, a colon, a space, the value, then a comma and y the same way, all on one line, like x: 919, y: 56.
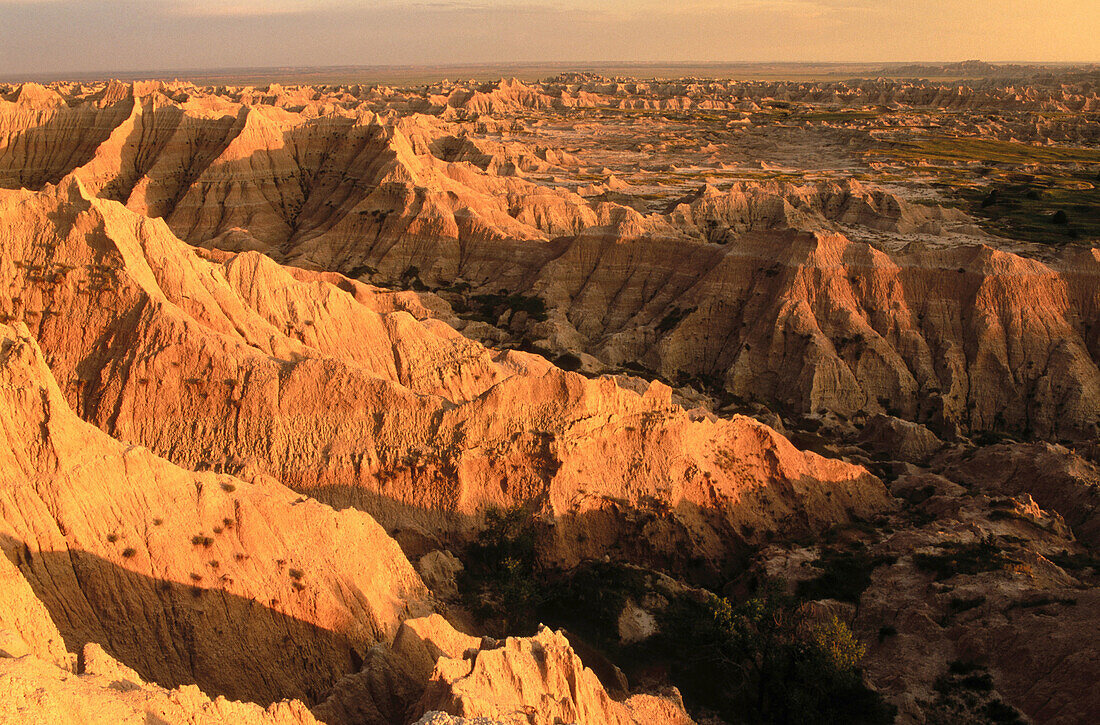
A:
x: 702, y: 545
x: 177, y: 633
x: 33, y: 157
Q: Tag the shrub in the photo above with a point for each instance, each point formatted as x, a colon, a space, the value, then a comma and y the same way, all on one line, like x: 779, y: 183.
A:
x: 500, y: 578
x: 128, y: 552
x: 490, y: 307
x: 762, y: 661
x: 967, y: 693
x: 836, y: 640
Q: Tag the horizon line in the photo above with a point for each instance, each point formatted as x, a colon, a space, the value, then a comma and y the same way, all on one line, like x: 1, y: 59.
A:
x: 566, y: 66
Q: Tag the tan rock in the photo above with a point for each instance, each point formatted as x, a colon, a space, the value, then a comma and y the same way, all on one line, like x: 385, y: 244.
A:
x: 34, y: 691
x: 536, y: 680
x: 235, y: 363
x: 439, y: 570
x: 244, y: 587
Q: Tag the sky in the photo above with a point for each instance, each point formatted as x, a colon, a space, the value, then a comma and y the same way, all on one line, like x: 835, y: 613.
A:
x: 40, y: 37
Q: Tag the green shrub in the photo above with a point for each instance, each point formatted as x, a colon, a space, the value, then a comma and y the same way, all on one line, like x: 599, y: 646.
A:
x: 500, y: 581
x: 762, y: 661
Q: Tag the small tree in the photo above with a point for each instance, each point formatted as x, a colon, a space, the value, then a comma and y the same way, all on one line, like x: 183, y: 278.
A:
x: 763, y: 661
x: 500, y: 581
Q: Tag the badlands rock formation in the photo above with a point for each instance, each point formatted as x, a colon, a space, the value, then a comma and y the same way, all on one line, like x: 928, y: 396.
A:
x: 406, y: 309
x: 432, y: 668
x: 889, y: 306
x: 536, y: 680
x: 186, y: 577
x: 237, y: 364
x: 78, y: 507
x: 108, y: 693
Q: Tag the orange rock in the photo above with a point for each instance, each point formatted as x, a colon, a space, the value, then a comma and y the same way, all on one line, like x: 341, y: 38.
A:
x: 245, y: 588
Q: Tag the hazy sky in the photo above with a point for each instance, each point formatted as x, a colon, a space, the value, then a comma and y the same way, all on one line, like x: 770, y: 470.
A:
x: 55, y: 36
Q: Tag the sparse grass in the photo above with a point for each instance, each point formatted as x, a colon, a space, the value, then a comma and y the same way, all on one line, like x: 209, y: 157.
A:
x: 947, y: 148
x: 840, y: 116
x: 1038, y: 208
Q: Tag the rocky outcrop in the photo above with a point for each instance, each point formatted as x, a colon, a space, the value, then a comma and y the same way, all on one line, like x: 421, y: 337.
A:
x: 894, y: 438
x: 432, y: 668
x: 972, y: 590
x: 108, y: 693
x: 25, y: 624
x: 536, y: 680
x: 243, y: 587
x: 1057, y: 478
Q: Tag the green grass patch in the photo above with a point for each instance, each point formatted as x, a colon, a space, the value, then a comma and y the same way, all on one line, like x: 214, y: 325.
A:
x: 1040, y: 208
x: 948, y: 148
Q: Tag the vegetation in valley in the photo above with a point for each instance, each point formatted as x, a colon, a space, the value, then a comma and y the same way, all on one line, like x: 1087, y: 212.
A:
x: 845, y: 575
x: 759, y: 660
x: 964, y: 558
x: 764, y: 661
x: 965, y: 693
x: 962, y: 149
x: 1039, y: 208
